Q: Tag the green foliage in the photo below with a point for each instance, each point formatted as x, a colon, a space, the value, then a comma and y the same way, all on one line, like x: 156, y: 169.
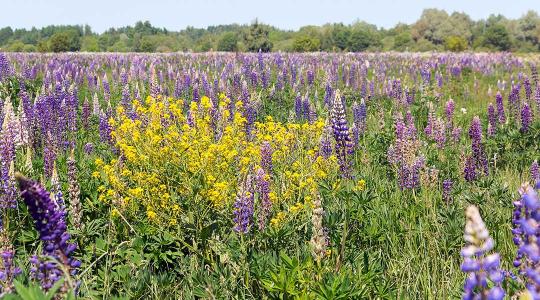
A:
x: 65, y: 41
x: 256, y: 38
x: 361, y: 39
x: 497, y: 36
x: 306, y: 44
x: 90, y: 44
x: 432, y: 31
x: 228, y: 42
x: 455, y: 44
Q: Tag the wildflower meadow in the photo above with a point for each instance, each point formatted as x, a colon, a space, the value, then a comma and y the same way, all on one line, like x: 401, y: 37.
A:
x: 217, y: 175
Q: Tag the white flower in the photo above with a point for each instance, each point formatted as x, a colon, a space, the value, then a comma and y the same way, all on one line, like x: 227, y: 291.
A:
x: 463, y: 110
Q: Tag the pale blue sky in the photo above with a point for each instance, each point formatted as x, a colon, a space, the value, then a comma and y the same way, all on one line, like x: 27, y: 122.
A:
x: 285, y: 14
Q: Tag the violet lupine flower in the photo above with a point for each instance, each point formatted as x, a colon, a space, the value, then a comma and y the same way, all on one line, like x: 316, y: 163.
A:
x: 447, y: 190
x: 266, y: 157
x: 106, y: 88
x: 8, y: 271
x: 527, y: 87
x: 480, y: 266
x: 500, y: 108
x: 86, y: 112
x: 88, y: 148
x: 439, y: 133
x: 525, y: 220
x: 359, y: 115
x: 8, y: 190
x: 535, y: 173
x: 526, y: 117
x: 479, y: 155
x: 325, y: 145
x: 328, y: 94
x: 243, y: 207
x: 263, y: 186
x: 469, y: 172
x: 6, y: 70
x: 492, y: 120
x: 298, y: 107
x: 341, y: 134
x: 537, y: 97
x: 50, y: 222
x: 306, y: 107
x: 104, y: 129
x: 449, y: 112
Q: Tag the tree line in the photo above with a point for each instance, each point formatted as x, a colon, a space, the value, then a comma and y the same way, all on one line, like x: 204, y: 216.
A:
x: 435, y: 30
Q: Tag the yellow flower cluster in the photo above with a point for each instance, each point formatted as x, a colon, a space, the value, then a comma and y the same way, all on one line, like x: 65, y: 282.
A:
x: 169, y: 158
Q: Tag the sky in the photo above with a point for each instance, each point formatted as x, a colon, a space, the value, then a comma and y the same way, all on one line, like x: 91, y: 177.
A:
x: 285, y: 14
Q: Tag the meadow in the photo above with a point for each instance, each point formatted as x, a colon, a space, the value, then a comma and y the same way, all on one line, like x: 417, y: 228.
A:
x: 269, y: 176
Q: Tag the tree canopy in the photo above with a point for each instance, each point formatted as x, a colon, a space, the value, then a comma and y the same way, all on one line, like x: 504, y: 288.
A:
x: 434, y: 30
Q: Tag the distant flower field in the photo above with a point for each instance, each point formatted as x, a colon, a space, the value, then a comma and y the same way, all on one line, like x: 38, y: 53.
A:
x: 269, y: 176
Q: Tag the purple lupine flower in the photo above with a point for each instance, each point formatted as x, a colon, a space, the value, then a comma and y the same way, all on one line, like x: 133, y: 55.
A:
x: 525, y: 220
x: 106, y: 88
x: 527, y: 87
x: 492, y: 120
x: 328, y: 94
x: 479, y: 155
x: 86, y: 112
x: 325, y: 145
x: 8, y: 271
x: 535, y: 173
x: 266, y: 157
x: 537, y: 98
x: 7, y: 157
x: 88, y: 148
x: 526, y: 117
x: 479, y: 265
x: 341, y: 134
x: 469, y: 172
x: 6, y: 70
x: 447, y: 190
x: 49, y: 221
x: 104, y: 129
x: 449, y: 112
x: 500, y: 108
x: 456, y: 134
x: 439, y: 133
x: 359, y: 115
x: 298, y: 106
x: 513, y: 101
x: 263, y: 186
x: 306, y: 107
x: 243, y: 207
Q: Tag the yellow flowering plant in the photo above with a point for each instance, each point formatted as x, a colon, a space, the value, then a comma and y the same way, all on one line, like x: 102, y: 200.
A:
x: 171, y: 162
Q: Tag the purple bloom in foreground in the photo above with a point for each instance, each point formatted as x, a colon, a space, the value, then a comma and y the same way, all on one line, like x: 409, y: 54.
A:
x: 481, y: 266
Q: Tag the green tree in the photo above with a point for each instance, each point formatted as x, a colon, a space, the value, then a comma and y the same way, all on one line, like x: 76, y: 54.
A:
x: 497, y: 36
x: 90, y: 44
x: 306, y: 44
x: 16, y: 46
x: 65, y: 41
x: 402, y: 40
x: 147, y: 44
x: 257, y: 38
x: 455, y: 44
x: 361, y: 39
x: 228, y: 42
x: 5, y: 34
x: 340, y: 36
x: 59, y: 42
